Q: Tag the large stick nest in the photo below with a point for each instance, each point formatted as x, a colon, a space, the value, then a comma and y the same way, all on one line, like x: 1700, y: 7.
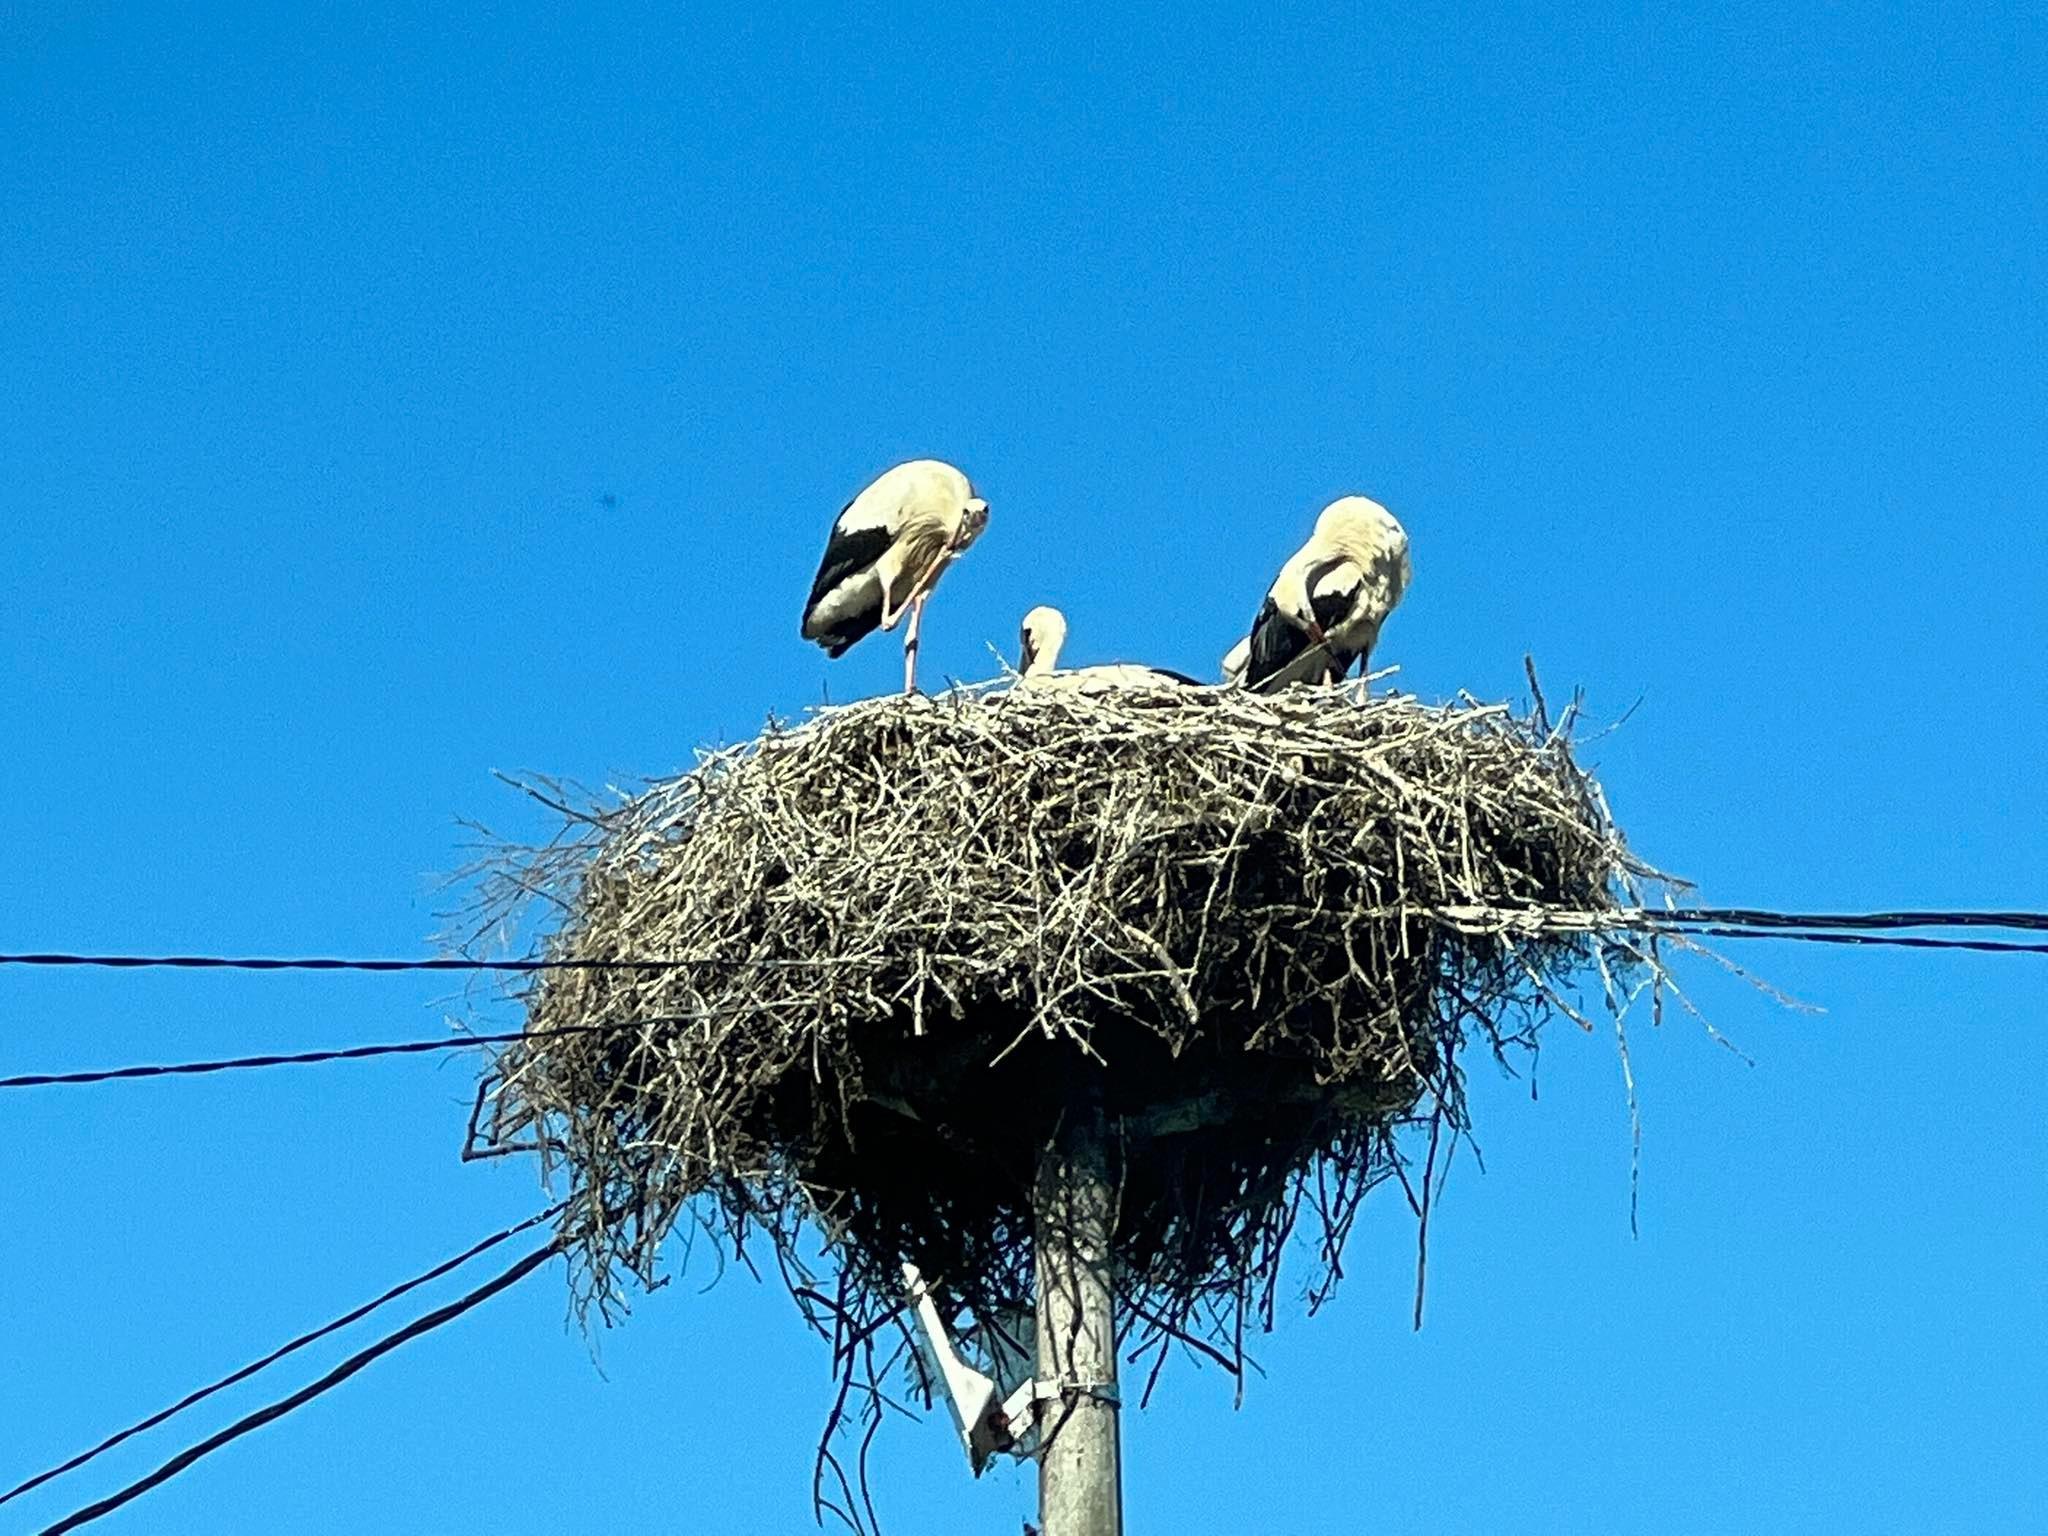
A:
x: 906, y: 928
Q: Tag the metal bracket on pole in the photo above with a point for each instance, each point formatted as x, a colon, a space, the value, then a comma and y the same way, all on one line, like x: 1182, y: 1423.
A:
x: 986, y: 1425
x: 989, y: 1428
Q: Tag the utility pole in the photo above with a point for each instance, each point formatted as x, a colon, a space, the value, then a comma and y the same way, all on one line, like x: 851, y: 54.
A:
x: 1080, y: 1464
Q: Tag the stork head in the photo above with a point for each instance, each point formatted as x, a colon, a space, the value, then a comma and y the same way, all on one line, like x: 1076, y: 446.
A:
x: 1361, y: 528
x: 1294, y: 600
x: 973, y: 518
x: 1043, y: 633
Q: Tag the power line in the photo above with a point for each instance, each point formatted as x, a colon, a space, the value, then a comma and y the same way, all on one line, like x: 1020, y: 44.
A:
x: 1753, y: 917
x: 1856, y: 928
x: 1641, y: 919
x: 355, y: 1315
x: 312, y: 1058
x: 1873, y: 929
x: 1891, y: 940
x: 1689, y: 927
x: 334, y: 1378
x: 344, y: 963
x: 1859, y: 929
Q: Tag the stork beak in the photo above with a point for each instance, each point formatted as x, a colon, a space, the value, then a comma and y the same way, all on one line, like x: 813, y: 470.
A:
x: 1026, y: 654
x: 1315, y: 633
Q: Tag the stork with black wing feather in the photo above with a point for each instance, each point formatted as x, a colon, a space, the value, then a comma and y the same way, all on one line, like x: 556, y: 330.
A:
x: 889, y: 547
x: 1323, y: 612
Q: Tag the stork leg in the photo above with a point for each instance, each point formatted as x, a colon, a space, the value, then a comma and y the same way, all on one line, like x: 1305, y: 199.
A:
x: 910, y: 644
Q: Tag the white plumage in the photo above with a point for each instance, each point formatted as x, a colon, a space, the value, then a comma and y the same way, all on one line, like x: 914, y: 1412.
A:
x: 888, y: 548
x: 1040, y: 638
x: 1324, y: 611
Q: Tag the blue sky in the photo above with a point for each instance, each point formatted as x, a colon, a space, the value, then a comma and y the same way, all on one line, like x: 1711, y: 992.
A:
x: 1700, y: 350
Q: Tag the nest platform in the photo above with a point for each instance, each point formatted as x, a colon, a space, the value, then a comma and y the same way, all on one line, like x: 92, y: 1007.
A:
x: 902, y: 930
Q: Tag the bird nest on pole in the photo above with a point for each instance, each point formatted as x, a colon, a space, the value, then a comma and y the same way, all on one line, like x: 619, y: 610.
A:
x: 893, y: 937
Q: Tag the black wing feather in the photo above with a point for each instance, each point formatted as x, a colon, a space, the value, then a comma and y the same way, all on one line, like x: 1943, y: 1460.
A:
x: 854, y: 627
x: 1333, y: 607
x: 1275, y: 642
x: 847, y: 554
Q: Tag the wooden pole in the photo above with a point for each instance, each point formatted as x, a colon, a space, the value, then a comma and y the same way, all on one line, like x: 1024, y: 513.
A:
x: 1080, y: 1469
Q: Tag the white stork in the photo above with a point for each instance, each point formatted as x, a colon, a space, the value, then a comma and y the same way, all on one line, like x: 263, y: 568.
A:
x: 1042, y: 634
x: 1324, y: 610
x: 888, y: 549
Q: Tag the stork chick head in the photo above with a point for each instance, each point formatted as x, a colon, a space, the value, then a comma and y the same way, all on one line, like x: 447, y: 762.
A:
x: 1042, y: 634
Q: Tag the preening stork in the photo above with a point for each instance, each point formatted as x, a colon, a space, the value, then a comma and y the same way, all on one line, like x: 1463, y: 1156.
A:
x: 1324, y: 610
x: 888, y: 549
x: 1041, y: 636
